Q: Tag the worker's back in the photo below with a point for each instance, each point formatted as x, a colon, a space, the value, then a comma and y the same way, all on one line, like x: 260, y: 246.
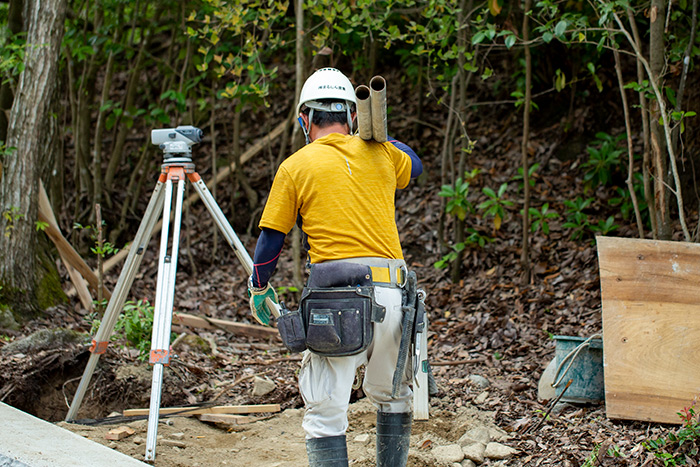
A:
x: 344, y: 188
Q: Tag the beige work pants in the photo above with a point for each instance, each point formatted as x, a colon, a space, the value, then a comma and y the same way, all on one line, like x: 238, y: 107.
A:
x: 325, y: 383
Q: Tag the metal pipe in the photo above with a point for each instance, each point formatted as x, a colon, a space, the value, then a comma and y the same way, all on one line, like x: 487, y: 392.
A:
x: 377, y: 90
x: 364, y: 112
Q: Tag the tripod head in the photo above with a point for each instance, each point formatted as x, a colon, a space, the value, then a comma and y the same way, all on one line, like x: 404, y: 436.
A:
x: 176, y: 143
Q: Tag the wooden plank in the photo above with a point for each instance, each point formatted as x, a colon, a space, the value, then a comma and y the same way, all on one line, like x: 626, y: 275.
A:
x: 253, y: 330
x: 115, y: 434
x: 227, y: 419
x: 651, y: 327
x: 69, y: 255
x: 46, y: 212
x: 219, y: 409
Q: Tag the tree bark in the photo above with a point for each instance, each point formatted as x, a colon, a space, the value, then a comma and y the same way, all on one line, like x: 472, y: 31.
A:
x: 525, y: 252
x: 644, y: 111
x: 117, y: 155
x: 14, y: 23
x: 29, y: 125
x: 658, y: 145
x: 297, y: 275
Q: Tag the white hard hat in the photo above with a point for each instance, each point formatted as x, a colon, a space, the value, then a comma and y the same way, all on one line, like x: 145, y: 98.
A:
x: 327, y: 83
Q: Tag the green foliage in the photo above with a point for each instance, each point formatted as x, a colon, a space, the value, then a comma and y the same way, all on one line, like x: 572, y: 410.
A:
x: 531, y: 176
x: 603, y: 161
x: 643, y: 87
x: 458, y: 204
x: 235, y: 41
x: 5, y: 151
x: 12, y: 58
x: 593, y: 459
x: 679, y: 446
x: 520, y: 100
x: 102, y: 249
x: 679, y: 118
x: 576, y: 218
x: 11, y: 216
x: 623, y: 200
x: 450, y: 257
x: 540, y: 218
x: 135, y: 327
x: 496, y: 205
x: 472, y: 240
x: 283, y: 291
x: 604, y: 227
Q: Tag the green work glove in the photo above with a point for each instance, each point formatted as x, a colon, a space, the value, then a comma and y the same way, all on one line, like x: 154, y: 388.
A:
x: 261, y: 313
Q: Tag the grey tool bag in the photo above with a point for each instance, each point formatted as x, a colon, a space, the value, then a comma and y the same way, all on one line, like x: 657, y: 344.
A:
x: 336, y: 311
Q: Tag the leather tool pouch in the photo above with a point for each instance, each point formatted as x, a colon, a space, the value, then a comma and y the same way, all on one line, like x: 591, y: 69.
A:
x: 336, y: 311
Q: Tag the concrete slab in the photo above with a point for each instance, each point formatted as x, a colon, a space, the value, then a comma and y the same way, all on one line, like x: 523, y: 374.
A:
x: 29, y: 441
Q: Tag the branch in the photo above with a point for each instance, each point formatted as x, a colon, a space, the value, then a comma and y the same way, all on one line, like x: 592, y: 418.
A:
x: 630, y: 152
x: 667, y: 128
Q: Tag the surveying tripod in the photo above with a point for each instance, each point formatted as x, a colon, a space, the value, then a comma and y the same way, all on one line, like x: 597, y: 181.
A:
x: 177, y: 166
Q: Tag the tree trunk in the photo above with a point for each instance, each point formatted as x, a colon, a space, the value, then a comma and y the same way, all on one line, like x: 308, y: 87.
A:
x: 14, y: 23
x: 644, y: 111
x: 662, y: 177
x: 117, y: 155
x: 525, y: 252
x: 297, y: 275
x: 462, y: 83
x: 28, y: 131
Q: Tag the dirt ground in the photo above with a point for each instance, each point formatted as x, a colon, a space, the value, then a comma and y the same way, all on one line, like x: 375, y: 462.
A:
x: 279, y: 440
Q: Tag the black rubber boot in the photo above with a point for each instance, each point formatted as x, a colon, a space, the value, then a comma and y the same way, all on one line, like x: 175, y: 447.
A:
x: 393, y: 437
x: 331, y: 451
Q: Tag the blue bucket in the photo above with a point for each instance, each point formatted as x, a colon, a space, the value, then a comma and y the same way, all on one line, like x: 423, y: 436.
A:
x: 581, y: 361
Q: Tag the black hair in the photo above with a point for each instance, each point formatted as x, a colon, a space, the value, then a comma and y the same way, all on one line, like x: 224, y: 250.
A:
x: 323, y: 119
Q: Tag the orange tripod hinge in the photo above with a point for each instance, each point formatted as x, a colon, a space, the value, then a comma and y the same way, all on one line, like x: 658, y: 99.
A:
x: 161, y: 356
x: 99, y: 347
x: 173, y: 172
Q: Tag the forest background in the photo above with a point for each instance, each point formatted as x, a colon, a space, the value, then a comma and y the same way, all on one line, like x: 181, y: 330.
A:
x: 505, y: 102
x: 84, y: 83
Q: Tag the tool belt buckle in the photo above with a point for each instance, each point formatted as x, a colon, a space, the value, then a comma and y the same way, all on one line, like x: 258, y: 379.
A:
x: 404, y: 276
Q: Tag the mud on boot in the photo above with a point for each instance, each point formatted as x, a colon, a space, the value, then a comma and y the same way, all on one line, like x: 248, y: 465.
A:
x: 331, y: 451
x: 393, y: 438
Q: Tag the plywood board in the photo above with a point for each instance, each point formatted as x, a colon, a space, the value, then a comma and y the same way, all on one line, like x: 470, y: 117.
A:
x: 651, y: 327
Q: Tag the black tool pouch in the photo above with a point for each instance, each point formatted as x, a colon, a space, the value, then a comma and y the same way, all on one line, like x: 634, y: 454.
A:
x: 336, y: 311
x: 339, y: 320
x: 291, y: 329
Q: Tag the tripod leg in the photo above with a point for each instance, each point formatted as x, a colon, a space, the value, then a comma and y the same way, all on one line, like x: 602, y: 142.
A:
x: 114, y: 308
x: 227, y: 231
x: 162, y: 317
x: 222, y: 222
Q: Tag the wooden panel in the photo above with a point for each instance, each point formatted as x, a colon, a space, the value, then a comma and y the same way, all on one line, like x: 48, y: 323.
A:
x: 651, y: 327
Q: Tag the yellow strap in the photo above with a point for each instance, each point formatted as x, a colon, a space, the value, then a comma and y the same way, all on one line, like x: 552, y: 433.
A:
x: 383, y: 274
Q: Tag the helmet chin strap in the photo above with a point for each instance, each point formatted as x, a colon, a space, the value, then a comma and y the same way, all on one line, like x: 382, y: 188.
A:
x: 311, y: 116
x: 304, y: 129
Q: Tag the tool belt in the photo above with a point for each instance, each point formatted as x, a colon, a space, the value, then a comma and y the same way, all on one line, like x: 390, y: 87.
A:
x: 336, y: 311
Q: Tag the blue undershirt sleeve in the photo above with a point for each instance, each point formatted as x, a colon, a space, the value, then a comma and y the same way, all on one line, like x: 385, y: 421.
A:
x: 416, y: 164
x: 267, y: 252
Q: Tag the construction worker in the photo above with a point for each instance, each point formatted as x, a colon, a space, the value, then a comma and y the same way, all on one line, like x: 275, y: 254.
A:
x: 343, y: 190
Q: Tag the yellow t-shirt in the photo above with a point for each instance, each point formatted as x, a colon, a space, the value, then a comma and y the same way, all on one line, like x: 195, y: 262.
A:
x: 343, y: 187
